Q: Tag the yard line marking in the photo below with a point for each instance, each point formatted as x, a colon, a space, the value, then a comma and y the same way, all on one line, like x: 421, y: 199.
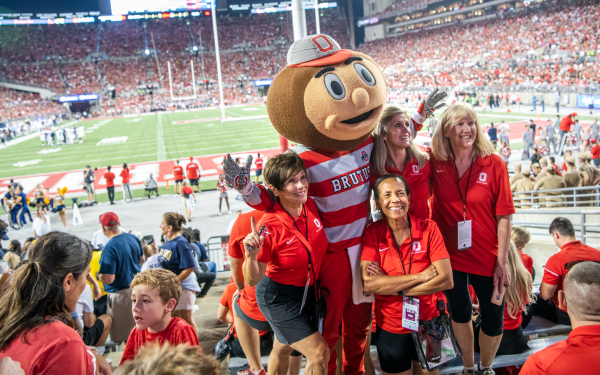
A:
x: 160, y: 140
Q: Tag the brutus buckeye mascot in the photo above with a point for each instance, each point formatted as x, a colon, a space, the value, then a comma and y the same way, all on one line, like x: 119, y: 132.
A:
x: 329, y: 100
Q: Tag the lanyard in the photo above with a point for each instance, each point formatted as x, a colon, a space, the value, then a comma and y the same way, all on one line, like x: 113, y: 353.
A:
x: 410, y: 248
x: 306, y: 223
x: 464, y: 200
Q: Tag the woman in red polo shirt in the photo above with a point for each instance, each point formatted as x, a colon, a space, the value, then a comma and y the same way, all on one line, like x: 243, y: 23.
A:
x: 125, y: 183
x: 472, y: 204
x: 394, y: 152
x: 282, y: 261
x: 402, y: 257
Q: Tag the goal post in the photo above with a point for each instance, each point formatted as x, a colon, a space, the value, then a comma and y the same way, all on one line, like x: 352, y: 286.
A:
x: 173, y: 97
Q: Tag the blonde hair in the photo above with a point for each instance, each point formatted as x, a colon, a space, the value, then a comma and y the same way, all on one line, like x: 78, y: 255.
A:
x: 440, y: 144
x: 520, y: 292
x: 182, y: 359
x: 520, y: 236
x: 380, y: 156
x: 165, y: 281
x: 12, y: 259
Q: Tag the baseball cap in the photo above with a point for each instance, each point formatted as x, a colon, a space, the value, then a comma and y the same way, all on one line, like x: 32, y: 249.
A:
x: 3, y: 235
x: 316, y: 50
x: 593, y: 140
x: 191, y: 158
x: 550, y: 168
x: 109, y: 219
x: 525, y: 170
x: 581, y: 156
x: 573, y: 114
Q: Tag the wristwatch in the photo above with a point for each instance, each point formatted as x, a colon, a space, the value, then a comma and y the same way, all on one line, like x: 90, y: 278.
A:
x: 401, y: 293
x: 93, y: 348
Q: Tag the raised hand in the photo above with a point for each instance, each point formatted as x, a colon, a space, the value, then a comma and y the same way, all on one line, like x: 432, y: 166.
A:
x: 238, y: 177
x: 426, y: 109
x: 253, y: 241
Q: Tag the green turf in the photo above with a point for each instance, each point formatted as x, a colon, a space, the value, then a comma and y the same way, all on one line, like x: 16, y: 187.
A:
x: 145, y: 141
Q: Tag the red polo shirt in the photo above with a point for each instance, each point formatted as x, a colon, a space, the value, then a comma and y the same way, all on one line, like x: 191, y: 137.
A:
x: 109, y: 177
x: 227, y: 300
x: 595, y: 152
x: 555, y: 272
x: 527, y: 261
x: 489, y: 195
x: 259, y: 163
x: 565, y: 124
x: 417, y: 180
x: 428, y: 246
x: 578, y: 354
x: 178, y: 172
x: 283, y: 250
x: 510, y: 322
x: 240, y: 230
x: 125, y: 176
x: 192, y: 171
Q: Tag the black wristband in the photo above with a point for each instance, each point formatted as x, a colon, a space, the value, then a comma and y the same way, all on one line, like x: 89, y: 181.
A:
x: 400, y: 293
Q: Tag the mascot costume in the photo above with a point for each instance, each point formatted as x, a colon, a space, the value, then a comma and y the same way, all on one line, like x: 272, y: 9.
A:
x: 328, y: 100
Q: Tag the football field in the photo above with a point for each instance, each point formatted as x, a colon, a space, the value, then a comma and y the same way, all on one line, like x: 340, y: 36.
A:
x: 138, y: 139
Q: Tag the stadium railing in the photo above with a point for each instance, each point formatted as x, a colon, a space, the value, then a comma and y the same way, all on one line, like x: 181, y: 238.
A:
x: 217, y: 248
x: 588, y: 229
x: 583, y: 196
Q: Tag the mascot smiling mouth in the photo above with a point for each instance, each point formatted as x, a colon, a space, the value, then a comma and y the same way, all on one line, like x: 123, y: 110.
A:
x: 359, y: 118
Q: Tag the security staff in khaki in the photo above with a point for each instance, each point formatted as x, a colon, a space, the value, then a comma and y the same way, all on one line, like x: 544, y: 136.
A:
x: 572, y: 177
x: 544, y: 167
x: 536, y: 169
x: 523, y: 184
x: 592, y: 168
x: 517, y: 173
x: 588, y: 174
x: 550, y: 182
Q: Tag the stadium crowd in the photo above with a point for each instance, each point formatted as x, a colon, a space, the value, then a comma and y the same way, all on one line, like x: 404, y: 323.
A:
x: 142, y: 290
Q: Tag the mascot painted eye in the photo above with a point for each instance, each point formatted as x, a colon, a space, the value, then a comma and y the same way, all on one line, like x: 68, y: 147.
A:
x: 335, y: 86
x: 364, y: 74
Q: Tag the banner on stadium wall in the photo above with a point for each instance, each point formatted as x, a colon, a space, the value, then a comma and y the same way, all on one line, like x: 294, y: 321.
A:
x: 583, y: 101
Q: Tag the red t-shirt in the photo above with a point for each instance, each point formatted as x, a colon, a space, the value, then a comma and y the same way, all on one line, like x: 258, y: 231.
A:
x: 259, y: 163
x: 177, y: 332
x: 54, y: 348
x: 285, y: 254
x: 188, y: 190
x: 226, y: 300
x: 192, y: 171
x: 417, y: 180
x: 222, y: 187
x: 527, y: 261
x: 557, y: 169
x: 109, y: 177
x: 427, y: 247
x: 596, y: 152
x: 178, y: 172
x: 510, y: 322
x: 565, y: 124
x: 578, y: 354
x: 125, y: 175
x: 240, y: 230
x: 489, y: 195
x: 555, y: 272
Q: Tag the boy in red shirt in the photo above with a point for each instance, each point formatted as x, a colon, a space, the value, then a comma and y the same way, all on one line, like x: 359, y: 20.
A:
x: 557, y: 268
x: 178, y: 176
x: 596, y: 153
x: 110, y: 185
x: 192, y: 170
x: 155, y: 293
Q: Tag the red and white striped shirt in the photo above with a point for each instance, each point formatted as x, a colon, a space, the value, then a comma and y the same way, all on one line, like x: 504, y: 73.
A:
x: 339, y: 185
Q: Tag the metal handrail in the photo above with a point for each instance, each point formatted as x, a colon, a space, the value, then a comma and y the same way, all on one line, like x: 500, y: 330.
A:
x: 543, y: 193
x: 582, y: 226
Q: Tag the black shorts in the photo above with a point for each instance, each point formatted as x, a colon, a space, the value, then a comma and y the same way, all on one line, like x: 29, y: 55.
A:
x: 92, y: 334
x: 266, y: 346
x: 280, y: 304
x: 459, y: 302
x: 396, y: 351
x: 513, y: 341
x: 258, y: 172
x: 260, y: 325
x: 194, y: 181
x: 178, y: 181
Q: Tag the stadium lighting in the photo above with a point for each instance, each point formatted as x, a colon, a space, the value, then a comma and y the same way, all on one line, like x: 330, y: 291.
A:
x: 195, y: 48
x: 147, y: 52
x: 207, y: 13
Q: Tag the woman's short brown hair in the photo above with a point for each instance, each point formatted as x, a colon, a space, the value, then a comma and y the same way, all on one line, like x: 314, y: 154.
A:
x: 165, y: 281
x: 175, y: 220
x: 281, y: 167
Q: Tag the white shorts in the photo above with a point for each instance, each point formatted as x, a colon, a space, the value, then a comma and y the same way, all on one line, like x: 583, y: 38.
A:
x: 187, y: 300
x: 223, y: 195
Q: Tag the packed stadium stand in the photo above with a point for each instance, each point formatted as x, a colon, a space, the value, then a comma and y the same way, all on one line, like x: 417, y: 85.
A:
x: 555, y: 45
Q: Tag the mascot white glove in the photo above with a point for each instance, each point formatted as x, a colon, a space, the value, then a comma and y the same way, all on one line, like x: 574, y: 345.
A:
x: 238, y: 177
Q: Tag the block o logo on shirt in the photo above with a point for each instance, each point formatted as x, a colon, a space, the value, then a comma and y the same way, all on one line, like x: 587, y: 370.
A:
x: 322, y: 43
x: 364, y: 156
x: 483, y: 177
x: 317, y: 223
x: 415, y: 168
x: 416, y: 247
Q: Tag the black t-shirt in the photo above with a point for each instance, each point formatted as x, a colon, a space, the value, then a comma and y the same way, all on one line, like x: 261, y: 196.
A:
x: 90, y: 177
